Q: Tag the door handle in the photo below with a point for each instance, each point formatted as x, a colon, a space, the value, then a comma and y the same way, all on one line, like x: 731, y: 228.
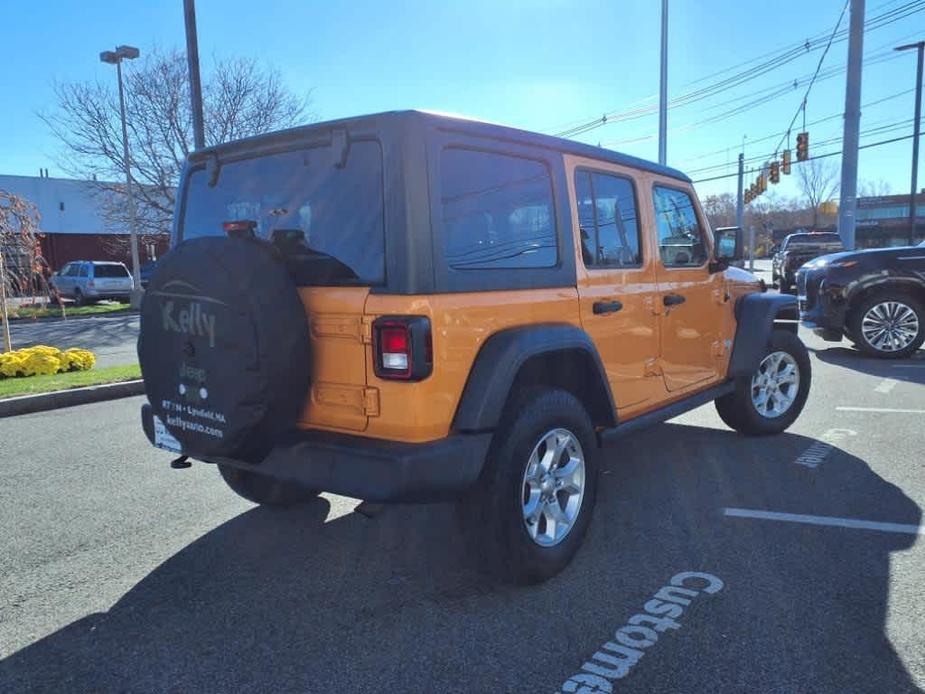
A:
x: 673, y: 299
x: 600, y: 307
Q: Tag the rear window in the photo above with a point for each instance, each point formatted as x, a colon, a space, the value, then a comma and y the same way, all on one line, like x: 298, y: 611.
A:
x: 497, y: 211
x: 815, y: 240
x: 309, y: 202
x: 110, y: 271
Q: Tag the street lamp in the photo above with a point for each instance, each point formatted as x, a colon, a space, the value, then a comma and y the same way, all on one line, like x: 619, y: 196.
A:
x: 920, y: 46
x: 115, y: 58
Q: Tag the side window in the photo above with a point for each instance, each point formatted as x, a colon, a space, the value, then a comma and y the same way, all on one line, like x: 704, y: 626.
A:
x: 66, y: 270
x: 73, y: 270
x: 497, y: 211
x: 680, y: 237
x: 607, y: 220
x: 83, y: 270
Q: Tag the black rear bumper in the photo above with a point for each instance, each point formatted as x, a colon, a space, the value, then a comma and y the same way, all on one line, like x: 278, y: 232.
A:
x: 365, y: 468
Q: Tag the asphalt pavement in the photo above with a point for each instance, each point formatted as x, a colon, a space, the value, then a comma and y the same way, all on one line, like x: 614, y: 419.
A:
x: 111, y: 338
x: 118, y: 574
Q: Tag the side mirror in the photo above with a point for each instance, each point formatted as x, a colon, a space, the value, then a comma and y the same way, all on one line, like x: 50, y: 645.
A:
x: 727, y: 247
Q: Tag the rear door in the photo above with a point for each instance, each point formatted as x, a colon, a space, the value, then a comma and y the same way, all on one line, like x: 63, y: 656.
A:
x: 689, y: 295
x: 616, y: 282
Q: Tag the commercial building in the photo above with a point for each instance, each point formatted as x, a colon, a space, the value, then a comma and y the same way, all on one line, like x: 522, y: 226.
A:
x: 72, y: 224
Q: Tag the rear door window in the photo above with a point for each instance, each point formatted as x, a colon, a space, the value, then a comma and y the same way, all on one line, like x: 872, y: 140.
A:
x: 497, y: 211
x: 608, y: 223
x: 321, y: 207
x: 110, y: 271
x: 84, y: 270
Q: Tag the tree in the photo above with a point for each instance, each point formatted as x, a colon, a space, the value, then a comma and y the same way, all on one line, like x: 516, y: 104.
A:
x: 240, y: 97
x: 818, y: 179
x: 720, y: 209
x: 874, y: 189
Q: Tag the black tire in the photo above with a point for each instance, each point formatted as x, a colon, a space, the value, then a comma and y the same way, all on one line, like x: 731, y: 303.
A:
x: 492, y: 514
x: 738, y: 410
x: 261, y: 489
x: 79, y: 299
x: 856, y: 318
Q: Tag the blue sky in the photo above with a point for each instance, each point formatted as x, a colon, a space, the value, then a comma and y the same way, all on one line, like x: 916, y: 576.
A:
x: 542, y: 65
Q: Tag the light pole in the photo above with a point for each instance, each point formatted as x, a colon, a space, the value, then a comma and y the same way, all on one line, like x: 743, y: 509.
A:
x: 115, y: 58
x: 663, y: 90
x: 920, y: 46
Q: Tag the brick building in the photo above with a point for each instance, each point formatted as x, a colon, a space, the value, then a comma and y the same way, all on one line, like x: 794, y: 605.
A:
x: 71, y: 223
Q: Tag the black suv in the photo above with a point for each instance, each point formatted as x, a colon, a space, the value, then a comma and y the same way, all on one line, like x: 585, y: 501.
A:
x: 876, y: 298
x: 798, y: 249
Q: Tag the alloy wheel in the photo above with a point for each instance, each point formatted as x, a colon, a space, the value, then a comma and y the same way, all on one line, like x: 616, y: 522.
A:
x: 553, y: 487
x: 890, y: 326
x: 775, y: 384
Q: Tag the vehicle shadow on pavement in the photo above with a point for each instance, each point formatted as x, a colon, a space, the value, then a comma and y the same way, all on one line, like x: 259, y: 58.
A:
x: 279, y: 600
x: 899, y: 369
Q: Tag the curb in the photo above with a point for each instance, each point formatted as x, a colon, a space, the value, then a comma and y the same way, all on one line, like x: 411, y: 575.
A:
x: 26, y: 404
x: 51, y: 319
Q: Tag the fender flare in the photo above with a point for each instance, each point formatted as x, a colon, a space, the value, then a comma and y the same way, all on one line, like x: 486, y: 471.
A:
x: 498, y: 362
x: 755, y: 315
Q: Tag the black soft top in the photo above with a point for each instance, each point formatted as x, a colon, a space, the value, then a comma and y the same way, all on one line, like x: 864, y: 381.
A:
x: 391, y: 119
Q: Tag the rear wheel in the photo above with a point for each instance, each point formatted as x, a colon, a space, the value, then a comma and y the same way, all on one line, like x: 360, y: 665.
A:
x: 529, y: 512
x: 772, y: 399
x: 261, y: 489
x: 890, y: 325
x: 79, y: 299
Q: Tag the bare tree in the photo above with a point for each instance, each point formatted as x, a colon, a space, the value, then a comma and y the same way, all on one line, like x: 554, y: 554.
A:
x: 874, y: 189
x: 720, y: 209
x: 241, y: 98
x: 819, y: 182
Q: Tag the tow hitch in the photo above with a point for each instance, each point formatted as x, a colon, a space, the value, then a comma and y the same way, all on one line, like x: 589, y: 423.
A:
x: 180, y: 463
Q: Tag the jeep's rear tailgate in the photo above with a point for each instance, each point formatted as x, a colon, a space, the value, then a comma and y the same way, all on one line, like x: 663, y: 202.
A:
x: 339, y: 397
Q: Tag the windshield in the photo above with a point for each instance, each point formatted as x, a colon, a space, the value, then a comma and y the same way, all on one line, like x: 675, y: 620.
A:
x: 109, y: 270
x: 332, y: 210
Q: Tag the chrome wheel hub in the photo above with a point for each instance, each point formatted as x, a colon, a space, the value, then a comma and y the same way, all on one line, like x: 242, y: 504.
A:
x: 890, y: 326
x: 775, y: 384
x: 553, y: 487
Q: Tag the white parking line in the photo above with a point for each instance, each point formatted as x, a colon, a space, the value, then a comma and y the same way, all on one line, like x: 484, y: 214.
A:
x: 891, y: 410
x: 886, y: 385
x: 832, y: 521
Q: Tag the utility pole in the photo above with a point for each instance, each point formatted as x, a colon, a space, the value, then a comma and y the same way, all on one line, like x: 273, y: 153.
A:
x: 192, y: 59
x: 740, y: 203
x: 847, y: 205
x: 915, y: 137
x: 663, y: 91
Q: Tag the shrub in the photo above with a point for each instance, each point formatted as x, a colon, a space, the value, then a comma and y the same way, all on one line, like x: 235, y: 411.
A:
x: 43, y: 360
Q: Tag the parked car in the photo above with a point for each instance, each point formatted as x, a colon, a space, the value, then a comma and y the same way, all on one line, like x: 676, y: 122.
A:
x: 88, y: 281
x: 875, y: 298
x: 443, y: 308
x: 797, y: 249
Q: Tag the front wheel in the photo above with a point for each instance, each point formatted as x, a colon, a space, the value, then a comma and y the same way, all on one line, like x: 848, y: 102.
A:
x: 261, y: 489
x: 890, y: 325
x: 772, y: 399
x: 529, y: 512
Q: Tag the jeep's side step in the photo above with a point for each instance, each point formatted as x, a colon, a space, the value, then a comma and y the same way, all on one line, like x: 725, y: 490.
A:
x: 608, y: 437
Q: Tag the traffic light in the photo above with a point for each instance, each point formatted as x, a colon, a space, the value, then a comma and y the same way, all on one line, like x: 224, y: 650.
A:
x: 775, y: 172
x: 786, y: 164
x: 747, y: 197
x: 762, y: 183
x: 802, y: 146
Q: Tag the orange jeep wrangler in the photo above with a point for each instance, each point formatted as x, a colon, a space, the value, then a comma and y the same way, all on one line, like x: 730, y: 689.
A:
x: 414, y: 307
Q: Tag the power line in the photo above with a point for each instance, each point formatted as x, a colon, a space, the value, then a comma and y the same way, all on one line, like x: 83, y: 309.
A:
x: 825, y: 52
x: 737, y: 79
x: 821, y: 156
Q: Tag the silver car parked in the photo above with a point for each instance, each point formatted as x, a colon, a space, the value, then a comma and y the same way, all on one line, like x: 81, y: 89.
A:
x: 86, y: 281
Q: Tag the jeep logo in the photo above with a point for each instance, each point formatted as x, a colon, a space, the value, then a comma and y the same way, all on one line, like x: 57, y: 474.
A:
x: 189, y: 321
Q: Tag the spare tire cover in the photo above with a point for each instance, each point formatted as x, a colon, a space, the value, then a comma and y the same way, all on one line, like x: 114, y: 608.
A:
x: 224, y: 347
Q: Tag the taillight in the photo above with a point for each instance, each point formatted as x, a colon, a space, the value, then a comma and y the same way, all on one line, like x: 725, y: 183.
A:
x: 402, y: 348
x: 241, y: 228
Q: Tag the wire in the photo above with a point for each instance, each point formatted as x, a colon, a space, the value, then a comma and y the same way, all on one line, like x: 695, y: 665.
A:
x: 739, y: 78
x: 822, y: 156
